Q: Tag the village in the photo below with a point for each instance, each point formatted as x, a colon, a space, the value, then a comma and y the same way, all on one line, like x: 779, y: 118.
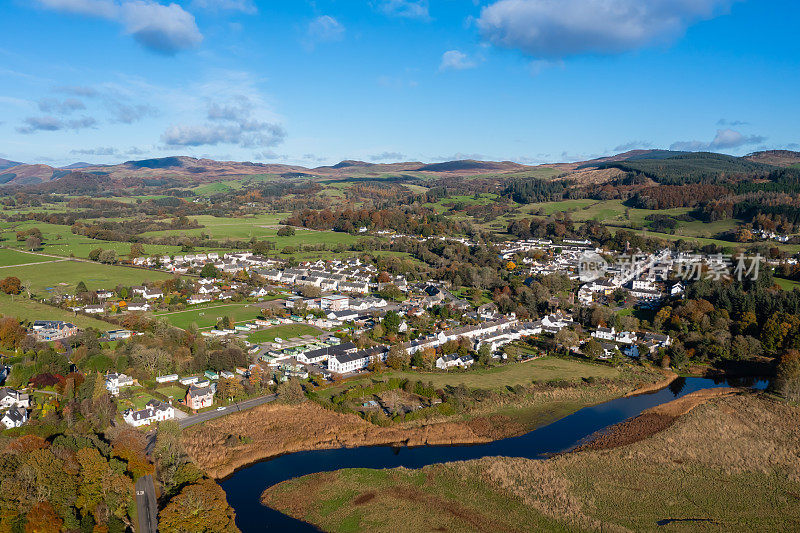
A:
x: 346, y: 302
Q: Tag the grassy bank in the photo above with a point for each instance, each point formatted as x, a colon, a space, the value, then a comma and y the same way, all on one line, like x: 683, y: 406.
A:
x: 730, y: 464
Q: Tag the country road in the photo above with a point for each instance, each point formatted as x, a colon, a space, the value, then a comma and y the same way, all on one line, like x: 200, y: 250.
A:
x: 230, y: 409
x: 146, y: 505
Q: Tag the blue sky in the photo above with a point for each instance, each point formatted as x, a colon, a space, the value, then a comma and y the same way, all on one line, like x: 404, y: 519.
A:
x: 315, y: 82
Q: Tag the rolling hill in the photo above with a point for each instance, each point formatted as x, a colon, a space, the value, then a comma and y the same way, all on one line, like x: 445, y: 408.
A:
x: 182, y: 171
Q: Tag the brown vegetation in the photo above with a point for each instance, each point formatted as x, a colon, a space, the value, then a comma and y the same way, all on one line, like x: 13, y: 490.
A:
x: 275, y: 429
x: 730, y: 461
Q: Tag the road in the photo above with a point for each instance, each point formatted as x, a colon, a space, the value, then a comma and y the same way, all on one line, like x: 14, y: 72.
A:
x: 146, y: 505
x: 235, y: 408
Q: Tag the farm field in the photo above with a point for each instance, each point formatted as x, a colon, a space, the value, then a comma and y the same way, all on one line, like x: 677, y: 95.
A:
x: 59, y: 240
x: 285, y: 332
x: 207, y: 315
x: 9, y: 258
x: 48, y: 276
x: 30, y: 310
x: 262, y: 227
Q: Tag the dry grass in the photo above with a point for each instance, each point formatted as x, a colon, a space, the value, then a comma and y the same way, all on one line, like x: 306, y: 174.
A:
x: 274, y: 429
x: 729, y: 462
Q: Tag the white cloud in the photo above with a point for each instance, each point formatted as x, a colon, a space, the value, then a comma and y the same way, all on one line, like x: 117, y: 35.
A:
x: 632, y: 145
x: 51, y: 123
x: 63, y: 107
x: 387, y: 156
x: 231, y: 122
x: 166, y: 29
x: 724, y: 140
x: 102, y: 150
x: 561, y: 28
x: 456, y: 60
x: 323, y: 29
x: 411, y: 9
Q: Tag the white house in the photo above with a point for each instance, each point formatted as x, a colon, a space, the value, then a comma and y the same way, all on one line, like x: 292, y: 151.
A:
x: 10, y: 397
x: 114, y: 382
x: 449, y: 361
x: 606, y: 334
x: 167, y: 379
x: 155, y: 411
x: 198, y: 299
x: 626, y: 337
x: 152, y: 294
x: 351, y: 361
x: 138, y: 306
x: 14, y: 417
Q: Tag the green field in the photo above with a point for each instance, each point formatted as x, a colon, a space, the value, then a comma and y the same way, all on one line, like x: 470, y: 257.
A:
x: 787, y: 284
x: 174, y: 391
x: 59, y: 240
x: 206, y: 315
x: 47, y: 277
x: 10, y: 258
x: 136, y: 402
x: 30, y: 310
x: 285, y: 332
x: 499, y: 377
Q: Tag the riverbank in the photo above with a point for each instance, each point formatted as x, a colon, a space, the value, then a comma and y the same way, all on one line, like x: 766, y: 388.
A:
x: 220, y: 447
x: 730, y: 461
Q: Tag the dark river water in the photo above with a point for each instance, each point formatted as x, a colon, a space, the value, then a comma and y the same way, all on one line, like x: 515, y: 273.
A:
x: 244, y: 487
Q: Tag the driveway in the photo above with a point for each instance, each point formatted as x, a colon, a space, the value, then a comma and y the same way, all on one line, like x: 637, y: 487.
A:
x: 230, y: 409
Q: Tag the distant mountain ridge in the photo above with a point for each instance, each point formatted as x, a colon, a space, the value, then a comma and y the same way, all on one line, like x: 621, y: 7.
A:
x: 179, y: 171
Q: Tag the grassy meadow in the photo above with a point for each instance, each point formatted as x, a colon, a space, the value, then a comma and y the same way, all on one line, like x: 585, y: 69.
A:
x: 29, y: 310
x: 499, y: 377
x: 45, y: 277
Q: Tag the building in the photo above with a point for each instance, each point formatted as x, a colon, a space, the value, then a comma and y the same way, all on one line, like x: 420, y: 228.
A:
x: 53, y: 330
x: 167, y: 379
x: 138, y: 306
x: 199, y: 397
x: 114, y: 382
x: 606, y: 334
x: 154, y: 411
x: 118, y: 334
x: 14, y: 417
x: 446, y: 362
x: 352, y: 361
x: 10, y: 397
x: 335, y: 302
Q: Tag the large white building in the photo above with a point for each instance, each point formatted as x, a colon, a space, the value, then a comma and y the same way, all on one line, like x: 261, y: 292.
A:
x: 155, y: 411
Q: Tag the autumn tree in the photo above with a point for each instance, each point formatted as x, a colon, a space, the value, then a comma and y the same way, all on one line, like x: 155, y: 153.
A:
x: 11, y: 285
x: 200, y: 507
x: 291, y: 391
x: 788, y: 379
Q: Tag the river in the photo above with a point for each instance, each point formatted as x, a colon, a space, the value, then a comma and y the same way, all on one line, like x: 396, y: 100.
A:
x: 244, y: 487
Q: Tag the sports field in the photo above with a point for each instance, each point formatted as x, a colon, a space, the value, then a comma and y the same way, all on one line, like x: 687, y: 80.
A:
x: 207, y: 315
x: 285, y: 332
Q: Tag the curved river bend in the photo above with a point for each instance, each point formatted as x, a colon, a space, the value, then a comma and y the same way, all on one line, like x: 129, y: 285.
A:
x: 244, y: 487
